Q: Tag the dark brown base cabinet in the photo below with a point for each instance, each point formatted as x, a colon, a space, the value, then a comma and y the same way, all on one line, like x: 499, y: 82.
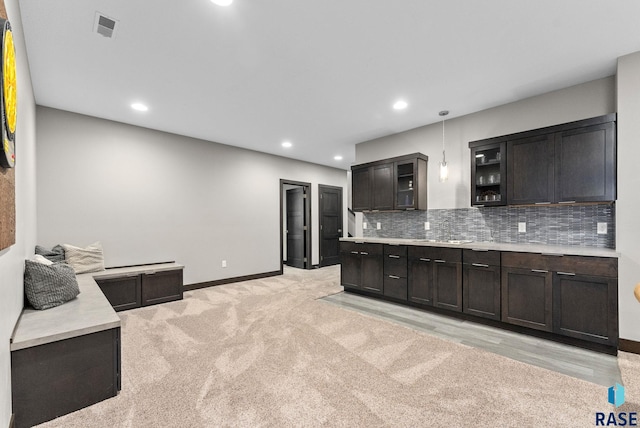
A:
x: 160, y: 287
x: 527, y: 297
x: 447, y: 279
x: 362, y: 266
x: 85, y: 371
x: 123, y: 292
x: 569, y: 295
x: 564, y: 296
x: 395, y: 271
x: 586, y: 307
x: 134, y: 290
x: 481, y: 283
x: 435, y: 277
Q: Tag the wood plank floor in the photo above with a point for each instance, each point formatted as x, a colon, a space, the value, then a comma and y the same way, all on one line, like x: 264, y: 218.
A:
x: 591, y: 366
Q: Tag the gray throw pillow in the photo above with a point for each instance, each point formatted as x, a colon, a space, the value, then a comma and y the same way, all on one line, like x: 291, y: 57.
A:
x: 56, y: 254
x: 49, y: 286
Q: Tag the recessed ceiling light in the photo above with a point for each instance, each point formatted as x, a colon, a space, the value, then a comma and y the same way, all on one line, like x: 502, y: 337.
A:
x: 400, y: 105
x: 139, y: 107
x: 287, y: 144
x: 222, y: 2
x: 338, y: 157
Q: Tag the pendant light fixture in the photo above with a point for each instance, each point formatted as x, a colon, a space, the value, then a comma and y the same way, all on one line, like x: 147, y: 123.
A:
x: 444, y: 168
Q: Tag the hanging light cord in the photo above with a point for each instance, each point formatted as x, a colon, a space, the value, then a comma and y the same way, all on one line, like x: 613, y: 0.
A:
x: 444, y: 161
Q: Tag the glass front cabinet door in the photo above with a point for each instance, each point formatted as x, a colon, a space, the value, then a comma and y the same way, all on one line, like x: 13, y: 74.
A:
x: 488, y: 175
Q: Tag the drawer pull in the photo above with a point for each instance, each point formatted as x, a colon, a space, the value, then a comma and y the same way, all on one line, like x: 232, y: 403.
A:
x: 393, y: 256
x: 479, y: 265
x: 567, y: 202
x: 539, y: 271
x: 552, y: 255
x: 542, y: 203
x: 364, y: 253
x: 424, y: 260
x: 355, y: 252
x: 439, y: 261
x: 394, y: 277
x: 566, y: 273
x: 480, y: 251
x: 153, y: 272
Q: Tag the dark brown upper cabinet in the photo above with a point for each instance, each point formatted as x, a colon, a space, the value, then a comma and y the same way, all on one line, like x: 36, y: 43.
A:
x: 488, y: 174
x: 398, y: 183
x: 563, y: 164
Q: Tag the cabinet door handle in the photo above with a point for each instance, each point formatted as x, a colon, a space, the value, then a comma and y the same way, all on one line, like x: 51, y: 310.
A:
x: 479, y: 265
x: 566, y: 273
x: 542, y: 203
x: 394, y: 277
x: 567, y: 202
x: 355, y: 252
x: 393, y: 256
x: 539, y: 271
x: 364, y: 253
x: 480, y: 251
x: 425, y: 260
x: 439, y: 261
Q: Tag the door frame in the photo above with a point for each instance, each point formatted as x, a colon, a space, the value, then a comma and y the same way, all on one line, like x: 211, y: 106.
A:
x: 320, y: 237
x: 307, y: 220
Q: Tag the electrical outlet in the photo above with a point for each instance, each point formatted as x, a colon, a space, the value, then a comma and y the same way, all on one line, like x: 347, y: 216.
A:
x: 224, y: 263
x: 378, y: 226
x: 427, y: 225
x: 522, y: 227
x: 602, y: 228
x: 364, y: 225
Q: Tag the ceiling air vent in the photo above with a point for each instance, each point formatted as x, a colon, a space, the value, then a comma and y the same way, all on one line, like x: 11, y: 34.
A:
x: 105, y: 26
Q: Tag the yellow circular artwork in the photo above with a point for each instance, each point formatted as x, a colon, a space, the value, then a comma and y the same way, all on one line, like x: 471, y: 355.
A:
x: 9, y: 104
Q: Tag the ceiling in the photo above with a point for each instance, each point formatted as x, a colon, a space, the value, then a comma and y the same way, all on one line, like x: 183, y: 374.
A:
x: 321, y: 74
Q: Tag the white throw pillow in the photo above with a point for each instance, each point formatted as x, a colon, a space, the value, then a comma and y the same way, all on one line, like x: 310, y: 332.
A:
x: 83, y: 260
x: 41, y: 259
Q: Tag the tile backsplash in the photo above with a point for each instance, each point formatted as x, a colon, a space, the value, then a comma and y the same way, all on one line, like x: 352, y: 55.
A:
x: 551, y: 225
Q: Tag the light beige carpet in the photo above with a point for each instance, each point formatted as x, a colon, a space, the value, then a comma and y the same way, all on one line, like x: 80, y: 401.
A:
x: 266, y: 353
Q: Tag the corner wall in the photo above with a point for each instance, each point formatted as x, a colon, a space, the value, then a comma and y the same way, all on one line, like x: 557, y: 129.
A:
x: 150, y: 196
x: 628, y: 205
x: 12, y: 258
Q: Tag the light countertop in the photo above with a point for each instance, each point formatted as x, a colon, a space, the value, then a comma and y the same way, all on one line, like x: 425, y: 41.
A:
x: 496, y: 246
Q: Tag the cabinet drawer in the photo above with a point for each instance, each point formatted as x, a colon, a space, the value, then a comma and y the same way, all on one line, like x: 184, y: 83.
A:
x: 491, y: 258
x: 369, y: 249
x: 395, y: 286
x: 583, y: 265
x: 450, y: 255
x: 395, y: 250
x: 395, y: 260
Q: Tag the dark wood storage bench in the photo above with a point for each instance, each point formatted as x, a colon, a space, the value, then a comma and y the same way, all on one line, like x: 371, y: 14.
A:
x: 136, y: 286
x: 68, y: 357
x: 65, y: 358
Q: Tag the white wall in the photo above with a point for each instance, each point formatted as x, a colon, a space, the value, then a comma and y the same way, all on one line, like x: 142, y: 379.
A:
x: 150, y: 196
x: 574, y: 103
x: 628, y: 205
x: 12, y: 258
